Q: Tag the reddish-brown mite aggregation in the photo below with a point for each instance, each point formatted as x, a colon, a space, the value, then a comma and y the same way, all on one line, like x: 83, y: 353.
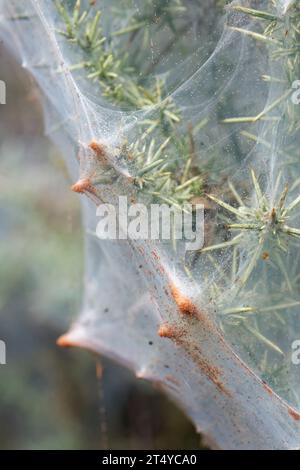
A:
x: 294, y: 414
x: 170, y: 331
x: 166, y: 331
x: 190, y: 310
x: 100, y: 151
x: 64, y: 342
x: 184, y: 304
x: 82, y: 186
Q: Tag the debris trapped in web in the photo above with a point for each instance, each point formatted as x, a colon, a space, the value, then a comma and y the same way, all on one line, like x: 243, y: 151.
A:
x: 179, y: 103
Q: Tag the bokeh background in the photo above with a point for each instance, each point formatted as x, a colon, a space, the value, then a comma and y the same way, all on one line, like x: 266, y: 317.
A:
x: 52, y: 398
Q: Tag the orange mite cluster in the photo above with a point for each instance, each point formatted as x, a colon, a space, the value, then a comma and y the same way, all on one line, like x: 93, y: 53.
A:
x: 166, y: 331
x: 294, y: 414
x: 100, y: 151
x: 184, y: 304
x: 170, y: 331
x: 82, y: 186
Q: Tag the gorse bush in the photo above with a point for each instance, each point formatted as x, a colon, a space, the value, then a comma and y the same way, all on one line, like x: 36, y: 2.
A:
x: 175, y: 102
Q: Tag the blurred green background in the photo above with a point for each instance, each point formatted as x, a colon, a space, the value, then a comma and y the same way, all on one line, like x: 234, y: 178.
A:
x: 52, y: 398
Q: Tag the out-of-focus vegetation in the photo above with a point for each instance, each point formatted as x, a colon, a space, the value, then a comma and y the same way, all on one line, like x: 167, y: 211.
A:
x: 52, y: 398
